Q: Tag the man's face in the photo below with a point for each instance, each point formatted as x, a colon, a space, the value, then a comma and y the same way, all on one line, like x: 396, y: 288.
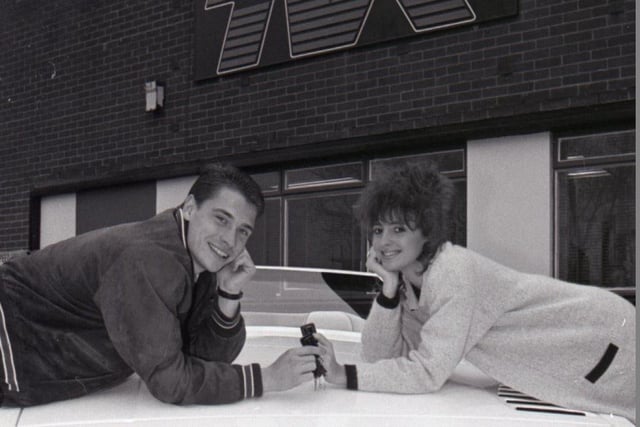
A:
x: 219, y: 228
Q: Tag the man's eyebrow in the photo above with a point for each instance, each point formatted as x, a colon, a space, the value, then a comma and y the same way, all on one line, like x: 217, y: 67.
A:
x: 229, y: 215
x: 223, y: 211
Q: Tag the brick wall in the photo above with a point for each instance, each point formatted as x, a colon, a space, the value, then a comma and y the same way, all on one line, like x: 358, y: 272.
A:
x: 72, y: 98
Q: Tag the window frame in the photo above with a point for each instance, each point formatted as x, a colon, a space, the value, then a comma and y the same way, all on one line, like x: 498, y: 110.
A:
x: 366, y: 160
x: 582, y: 165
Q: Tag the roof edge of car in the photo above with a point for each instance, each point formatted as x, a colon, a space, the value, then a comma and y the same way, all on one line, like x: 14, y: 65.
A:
x: 315, y: 270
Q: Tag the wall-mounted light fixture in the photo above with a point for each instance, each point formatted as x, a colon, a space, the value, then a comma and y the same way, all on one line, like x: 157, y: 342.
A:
x: 154, y: 95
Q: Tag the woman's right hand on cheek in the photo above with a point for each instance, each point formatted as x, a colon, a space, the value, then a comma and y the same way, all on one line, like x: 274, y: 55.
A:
x: 390, y: 280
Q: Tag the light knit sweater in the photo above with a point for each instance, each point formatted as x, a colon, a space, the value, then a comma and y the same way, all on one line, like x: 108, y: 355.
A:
x: 539, y: 335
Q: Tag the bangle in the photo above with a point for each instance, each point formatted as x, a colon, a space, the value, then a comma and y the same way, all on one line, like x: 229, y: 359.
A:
x: 227, y: 295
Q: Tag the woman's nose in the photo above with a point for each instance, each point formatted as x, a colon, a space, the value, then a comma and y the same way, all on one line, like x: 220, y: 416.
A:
x: 385, y: 238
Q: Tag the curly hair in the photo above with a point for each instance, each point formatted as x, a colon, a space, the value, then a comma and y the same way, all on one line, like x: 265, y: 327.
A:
x: 416, y: 195
x: 217, y: 175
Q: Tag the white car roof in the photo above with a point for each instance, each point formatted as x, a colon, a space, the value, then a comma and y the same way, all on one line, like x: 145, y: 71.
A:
x: 474, y: 403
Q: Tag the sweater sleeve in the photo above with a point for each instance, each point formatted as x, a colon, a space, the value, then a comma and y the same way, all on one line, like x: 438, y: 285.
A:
x: 138, y: 297
x: 444, y: 340
x: 381, y: 334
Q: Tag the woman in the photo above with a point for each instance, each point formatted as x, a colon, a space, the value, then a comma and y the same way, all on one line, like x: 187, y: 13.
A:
x: 572, y: 345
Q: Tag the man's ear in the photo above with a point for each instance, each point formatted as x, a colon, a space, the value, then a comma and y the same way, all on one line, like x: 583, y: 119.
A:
x: 189, y: 207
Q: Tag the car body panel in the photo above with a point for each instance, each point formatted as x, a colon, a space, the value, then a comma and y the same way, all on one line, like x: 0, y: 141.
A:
x: 9, y: 416
x: 278, y: 302
x: 474, y: 403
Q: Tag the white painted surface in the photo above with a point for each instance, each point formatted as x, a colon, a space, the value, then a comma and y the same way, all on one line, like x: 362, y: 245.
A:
x: 456, y: 404
x: 171, y: 192
x: 9, y: 416
x: 509, y: 201
x: 57, y: 218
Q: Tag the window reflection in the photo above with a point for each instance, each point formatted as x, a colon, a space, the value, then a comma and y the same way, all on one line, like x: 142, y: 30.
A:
x: 592, y: 147
x: 322, y: 232
x: 596, y: 225
x: 269, y: 182
x: 265, y: 246
x: 448, y: 161
x: 323, y: 176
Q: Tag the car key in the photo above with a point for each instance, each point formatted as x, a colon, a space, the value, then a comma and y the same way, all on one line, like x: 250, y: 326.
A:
x: 308, y: 339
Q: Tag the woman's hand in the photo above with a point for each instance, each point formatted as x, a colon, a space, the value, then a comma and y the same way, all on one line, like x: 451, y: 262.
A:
x: 390, y: 280
x: 335, y: 372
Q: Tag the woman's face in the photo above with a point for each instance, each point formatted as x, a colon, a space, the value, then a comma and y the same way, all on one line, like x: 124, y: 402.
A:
x: 397, y: 245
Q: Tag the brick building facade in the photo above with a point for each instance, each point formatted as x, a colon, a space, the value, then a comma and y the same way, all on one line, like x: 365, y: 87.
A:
x: 73, y: 116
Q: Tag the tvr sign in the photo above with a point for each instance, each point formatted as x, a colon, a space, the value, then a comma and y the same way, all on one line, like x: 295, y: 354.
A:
x: 237, y: 35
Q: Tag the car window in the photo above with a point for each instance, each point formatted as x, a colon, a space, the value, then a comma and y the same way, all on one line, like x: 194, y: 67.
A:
x: 290, y: 291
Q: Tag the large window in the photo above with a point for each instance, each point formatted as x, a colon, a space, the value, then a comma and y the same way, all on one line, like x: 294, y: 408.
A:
x: 309, y: 216
x: 322, y: 232
x: 595, y: 209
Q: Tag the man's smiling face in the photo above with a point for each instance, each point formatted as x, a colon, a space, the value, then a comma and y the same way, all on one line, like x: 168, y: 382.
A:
x: 219, y: 228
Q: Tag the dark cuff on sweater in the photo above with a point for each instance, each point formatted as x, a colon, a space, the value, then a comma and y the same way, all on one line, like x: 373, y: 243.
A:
x: 352, y: 376
x: 388, y: 302
x: 251, y: 380
x: 226, y: 326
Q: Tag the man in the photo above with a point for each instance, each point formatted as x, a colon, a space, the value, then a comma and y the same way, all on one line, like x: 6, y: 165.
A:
x: 159, y: 297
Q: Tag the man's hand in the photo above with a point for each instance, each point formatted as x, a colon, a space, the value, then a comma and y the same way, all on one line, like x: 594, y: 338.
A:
x: 291, y: 369
x: 233, y: 277
x: 335, y: 372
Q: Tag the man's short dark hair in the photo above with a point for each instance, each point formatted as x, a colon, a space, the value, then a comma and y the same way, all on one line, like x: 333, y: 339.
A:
x: 217, y: 175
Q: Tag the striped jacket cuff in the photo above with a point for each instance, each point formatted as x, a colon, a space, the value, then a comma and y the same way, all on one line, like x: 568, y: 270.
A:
x: 226, y: 326
x: 8, y: 375
x: 251, y: 380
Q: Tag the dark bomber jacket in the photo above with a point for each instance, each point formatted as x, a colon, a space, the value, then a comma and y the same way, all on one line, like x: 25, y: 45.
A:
x: 87, y: 312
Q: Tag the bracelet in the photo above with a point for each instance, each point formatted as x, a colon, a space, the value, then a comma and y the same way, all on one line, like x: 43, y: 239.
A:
x: 227, y: 295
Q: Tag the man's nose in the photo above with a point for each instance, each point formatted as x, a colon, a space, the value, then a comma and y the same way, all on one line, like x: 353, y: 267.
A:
x: 229, y: 236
